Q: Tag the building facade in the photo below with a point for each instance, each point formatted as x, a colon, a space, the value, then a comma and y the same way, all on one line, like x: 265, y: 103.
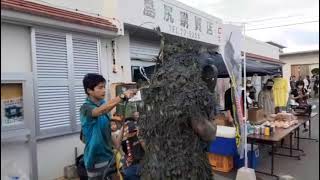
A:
x: 47, y: 46
x: 46, y: 49
x: 299, y: 64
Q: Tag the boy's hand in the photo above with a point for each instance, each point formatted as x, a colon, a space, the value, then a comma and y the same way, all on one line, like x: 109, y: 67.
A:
x: 130, y: 93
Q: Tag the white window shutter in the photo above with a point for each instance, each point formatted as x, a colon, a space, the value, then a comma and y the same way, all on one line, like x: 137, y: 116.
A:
x: 85, y: 60
x: 85, y: 57
x: 51, y: 53
x: 80, y: 97
x: 52, y: 97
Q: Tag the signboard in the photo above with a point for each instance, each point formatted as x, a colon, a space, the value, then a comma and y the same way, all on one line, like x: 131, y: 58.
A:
x: 11, y: 104
x: 231, y: 51
x: 173, y: 18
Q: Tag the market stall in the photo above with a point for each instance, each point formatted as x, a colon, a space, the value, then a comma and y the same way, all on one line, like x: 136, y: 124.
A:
x: 253, y: 66
x: 281, y: 127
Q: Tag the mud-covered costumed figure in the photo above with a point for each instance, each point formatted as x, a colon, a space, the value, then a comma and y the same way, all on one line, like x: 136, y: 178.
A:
x: 176, y: 118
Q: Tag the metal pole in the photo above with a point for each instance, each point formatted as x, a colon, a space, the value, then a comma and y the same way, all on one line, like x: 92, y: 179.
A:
x: 245, y: 97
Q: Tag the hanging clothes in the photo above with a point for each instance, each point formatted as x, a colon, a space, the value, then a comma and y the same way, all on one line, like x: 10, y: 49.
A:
x: 280, y: 92
x: 256, y: 82
x: 266, y: 101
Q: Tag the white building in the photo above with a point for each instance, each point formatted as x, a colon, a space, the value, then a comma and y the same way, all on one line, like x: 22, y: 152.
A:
x: 46, y: 48
x: 299, y: 64
x: 175, y: 20
x: 48, y: 45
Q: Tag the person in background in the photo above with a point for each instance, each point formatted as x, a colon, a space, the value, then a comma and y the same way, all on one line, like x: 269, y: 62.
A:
x: 134, y: 149
x: 293, y: 82
x: 316, y: 86
x: 306, y: 82
x: 228, y: 104
x: 118, y: 153
x: 265, y: 99
x: 250, y: 102
x: 116, y: 134
x: 252, y: 91
x: 301, y: 95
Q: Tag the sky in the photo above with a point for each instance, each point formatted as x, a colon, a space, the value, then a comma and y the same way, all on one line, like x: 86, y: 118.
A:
x: 259, y: 14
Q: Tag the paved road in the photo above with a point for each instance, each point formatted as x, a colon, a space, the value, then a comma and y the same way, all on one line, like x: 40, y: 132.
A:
x: 304, y: 169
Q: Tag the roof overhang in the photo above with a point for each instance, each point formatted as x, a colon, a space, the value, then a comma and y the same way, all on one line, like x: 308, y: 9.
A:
x: 34, y: 14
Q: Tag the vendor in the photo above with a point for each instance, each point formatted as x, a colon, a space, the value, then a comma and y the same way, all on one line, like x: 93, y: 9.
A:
x: 250, y: 102
x: 265, y: 98
x: 252, y: 91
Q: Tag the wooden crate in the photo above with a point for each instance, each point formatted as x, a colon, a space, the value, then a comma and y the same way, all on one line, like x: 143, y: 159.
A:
x: 220, y: 163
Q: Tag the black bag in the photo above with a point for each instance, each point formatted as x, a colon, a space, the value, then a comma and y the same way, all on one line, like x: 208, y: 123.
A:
x: 82, y: 136
x: 81, y: 169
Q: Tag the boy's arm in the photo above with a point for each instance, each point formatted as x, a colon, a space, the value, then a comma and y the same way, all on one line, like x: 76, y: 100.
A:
x: 105, y: 108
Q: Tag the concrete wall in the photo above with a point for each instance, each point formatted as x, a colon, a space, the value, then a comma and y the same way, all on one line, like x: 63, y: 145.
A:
x: 103, y: 7
x: 260, y: 48
x: 16, y: 153
x: 122, y: 60
x: 15, y: 48
x: 308, y: 58
x: 15, y: 57
x: 56, y: 153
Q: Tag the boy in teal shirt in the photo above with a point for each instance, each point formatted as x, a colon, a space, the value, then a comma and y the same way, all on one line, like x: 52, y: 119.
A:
x: 95, y: 124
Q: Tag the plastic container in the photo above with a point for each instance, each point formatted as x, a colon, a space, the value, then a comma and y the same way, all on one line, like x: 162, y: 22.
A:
x: 253, y: 158
x: 267, y: 131
x: 226, y: 132
x: 223, y: 146
x: 220, y: 163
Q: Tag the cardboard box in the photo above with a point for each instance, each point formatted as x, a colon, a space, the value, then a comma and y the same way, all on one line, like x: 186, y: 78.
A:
x: 256, y: 116
x: 221, y: 120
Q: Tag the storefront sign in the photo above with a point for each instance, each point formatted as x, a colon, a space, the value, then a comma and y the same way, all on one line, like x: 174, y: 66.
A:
x: 11, y: 112
x: 173, y: 18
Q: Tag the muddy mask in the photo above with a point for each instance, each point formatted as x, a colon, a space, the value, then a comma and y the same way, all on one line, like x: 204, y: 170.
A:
x: 209, y: 75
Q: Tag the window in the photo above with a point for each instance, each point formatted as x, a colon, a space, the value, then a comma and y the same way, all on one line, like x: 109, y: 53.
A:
x: 16, y: 104
x: 134, y: 71
x: 11, y: 105
x: 61, y: 60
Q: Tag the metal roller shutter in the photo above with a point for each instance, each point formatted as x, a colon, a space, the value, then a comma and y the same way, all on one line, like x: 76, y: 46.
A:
x: 143, y: 50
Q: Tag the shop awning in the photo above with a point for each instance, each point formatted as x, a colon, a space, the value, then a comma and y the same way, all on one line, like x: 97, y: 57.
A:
x: 253, y: 66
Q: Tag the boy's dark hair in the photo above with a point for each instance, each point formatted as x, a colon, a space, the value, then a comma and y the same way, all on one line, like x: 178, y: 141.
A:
x: 299, y: 83
x: 91, y: 80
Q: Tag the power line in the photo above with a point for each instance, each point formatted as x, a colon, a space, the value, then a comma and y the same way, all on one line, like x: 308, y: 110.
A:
x: 284, y: 25
x: 274, y: 18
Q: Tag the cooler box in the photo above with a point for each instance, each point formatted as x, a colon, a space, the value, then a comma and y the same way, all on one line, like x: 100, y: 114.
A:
x: 220, y: 163
x: 255, y: 156
x: 223, y: 146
